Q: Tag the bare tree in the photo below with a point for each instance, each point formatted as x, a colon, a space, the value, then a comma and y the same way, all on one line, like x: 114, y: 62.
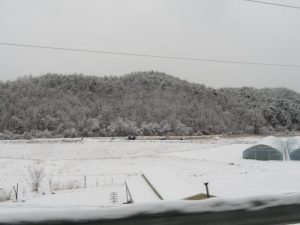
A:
x: 36, y: 175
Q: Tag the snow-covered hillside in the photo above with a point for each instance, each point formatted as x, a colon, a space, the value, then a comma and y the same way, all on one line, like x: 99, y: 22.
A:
x: 106, y: 163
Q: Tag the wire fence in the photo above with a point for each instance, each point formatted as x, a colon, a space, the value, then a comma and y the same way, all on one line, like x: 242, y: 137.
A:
x: 51, y: 183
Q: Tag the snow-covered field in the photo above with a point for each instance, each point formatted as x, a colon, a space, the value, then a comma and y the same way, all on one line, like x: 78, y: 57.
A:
x: 106, y: 163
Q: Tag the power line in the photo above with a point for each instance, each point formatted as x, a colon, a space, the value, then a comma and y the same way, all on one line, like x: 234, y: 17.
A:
x: 150, y: 56
x: 275, y: 4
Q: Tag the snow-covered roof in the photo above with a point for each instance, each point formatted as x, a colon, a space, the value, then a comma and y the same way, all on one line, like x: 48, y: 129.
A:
x: 140, y: 191
x: 293, y: 144
x: 273, y: 142
x: 168, y: 185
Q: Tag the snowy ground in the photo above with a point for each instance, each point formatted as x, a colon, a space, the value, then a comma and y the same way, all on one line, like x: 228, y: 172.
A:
x: 107, y: 163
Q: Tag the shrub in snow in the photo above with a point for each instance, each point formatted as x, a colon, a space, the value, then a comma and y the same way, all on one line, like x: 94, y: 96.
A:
x: 72, y: 185
x: 41, y: 133
x: 70, y: 133
x: 122, y: 127
x: 36, y: 176
x: 26, y: 135
x: 6, y: 135
x: 4, y: 196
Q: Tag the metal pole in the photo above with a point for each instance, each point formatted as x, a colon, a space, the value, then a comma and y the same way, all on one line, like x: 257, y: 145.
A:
x: 207, y: 191
x: 126, y: 193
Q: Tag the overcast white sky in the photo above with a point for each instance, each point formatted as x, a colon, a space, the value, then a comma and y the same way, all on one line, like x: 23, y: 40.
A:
x: 216, y: 29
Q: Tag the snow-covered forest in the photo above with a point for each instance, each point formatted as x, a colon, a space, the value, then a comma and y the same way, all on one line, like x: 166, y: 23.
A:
x: 141, y: 103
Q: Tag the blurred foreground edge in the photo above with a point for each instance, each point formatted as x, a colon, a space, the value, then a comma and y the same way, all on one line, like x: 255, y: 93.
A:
x: 272, y: 210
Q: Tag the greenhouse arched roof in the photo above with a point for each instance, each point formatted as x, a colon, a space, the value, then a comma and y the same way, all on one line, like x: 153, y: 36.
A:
x: 273, y: 142
x: 293, y: 146
x: 270, y: 148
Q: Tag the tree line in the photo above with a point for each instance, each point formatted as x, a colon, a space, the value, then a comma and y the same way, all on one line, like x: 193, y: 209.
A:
x: 141, y: 103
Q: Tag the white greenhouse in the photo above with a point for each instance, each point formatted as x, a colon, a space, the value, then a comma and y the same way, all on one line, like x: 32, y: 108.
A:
x: 293, y: 146
x: 270, y: 148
